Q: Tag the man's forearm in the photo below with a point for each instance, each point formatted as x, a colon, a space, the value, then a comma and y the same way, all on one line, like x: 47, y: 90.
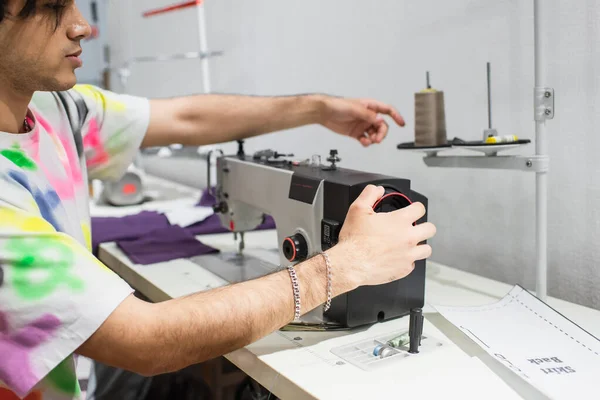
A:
x: 230, y: 318
x: 208, y: 119
x: 171, y: 335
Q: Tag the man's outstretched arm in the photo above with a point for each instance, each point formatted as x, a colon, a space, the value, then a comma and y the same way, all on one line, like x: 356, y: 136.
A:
x: 209, y: 119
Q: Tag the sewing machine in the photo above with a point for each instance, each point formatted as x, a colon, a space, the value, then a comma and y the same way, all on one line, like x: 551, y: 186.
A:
x: 308, y: 201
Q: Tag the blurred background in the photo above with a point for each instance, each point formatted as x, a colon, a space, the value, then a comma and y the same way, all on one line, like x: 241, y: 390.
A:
x: 382, y: 49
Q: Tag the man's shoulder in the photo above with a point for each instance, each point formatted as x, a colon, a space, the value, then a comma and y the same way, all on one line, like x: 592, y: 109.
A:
x: 47, y: 104
x: 44, y: 99
x: 53, y: 102
x: 57, y: 109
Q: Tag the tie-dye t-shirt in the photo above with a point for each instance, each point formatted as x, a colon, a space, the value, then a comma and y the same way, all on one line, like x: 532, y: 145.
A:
x: 54, y: 294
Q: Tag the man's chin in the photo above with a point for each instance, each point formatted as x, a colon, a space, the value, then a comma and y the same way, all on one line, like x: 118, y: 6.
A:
x: 61, y: 83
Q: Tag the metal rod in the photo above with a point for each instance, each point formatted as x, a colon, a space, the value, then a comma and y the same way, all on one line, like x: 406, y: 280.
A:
x: 541, y: 195
x: 125, y: 73
x: 201, y: 34
x: 428, y: 84
x: 170, y: 8
x: 203, y: 46
x: 489, y: 95
x: 177, y: 56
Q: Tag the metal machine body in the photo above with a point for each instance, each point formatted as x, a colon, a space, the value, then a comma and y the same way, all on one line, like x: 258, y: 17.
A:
x: 309, y: 202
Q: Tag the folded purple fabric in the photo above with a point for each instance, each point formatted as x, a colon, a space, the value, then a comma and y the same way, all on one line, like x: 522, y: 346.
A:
x: 213, y: 224
x: 112, y: 229
x: 207, y: 199
x: 148, y: 237
x: 164, y: 245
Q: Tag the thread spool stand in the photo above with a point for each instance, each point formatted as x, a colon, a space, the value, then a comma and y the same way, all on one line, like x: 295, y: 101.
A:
x: 543, y: 99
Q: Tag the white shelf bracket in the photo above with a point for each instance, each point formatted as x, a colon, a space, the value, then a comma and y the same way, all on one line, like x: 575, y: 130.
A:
x: 543, y: 103
x: 533, y: 163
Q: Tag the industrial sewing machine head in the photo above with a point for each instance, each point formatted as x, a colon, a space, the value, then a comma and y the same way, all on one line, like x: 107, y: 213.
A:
x: 309, y: 201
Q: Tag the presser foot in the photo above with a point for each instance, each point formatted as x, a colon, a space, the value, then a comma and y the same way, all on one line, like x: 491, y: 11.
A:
x: 241, y: 244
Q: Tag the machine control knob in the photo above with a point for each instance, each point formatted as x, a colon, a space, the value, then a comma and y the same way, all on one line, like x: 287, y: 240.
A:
x: 240, y: 152
x: 295, y: 247
x: 220, y: 208
x: 333, y: 158
x: 392, y: 200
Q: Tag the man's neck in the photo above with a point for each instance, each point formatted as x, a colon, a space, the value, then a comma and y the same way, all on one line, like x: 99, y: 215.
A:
x: 13, y: 109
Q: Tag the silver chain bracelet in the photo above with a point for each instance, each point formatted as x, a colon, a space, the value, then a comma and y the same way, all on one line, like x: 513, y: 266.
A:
x: 296, y: 289
x: 327, y: 304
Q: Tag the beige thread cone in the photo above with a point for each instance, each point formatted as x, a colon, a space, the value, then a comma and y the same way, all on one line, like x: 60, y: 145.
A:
x: 430, y: 118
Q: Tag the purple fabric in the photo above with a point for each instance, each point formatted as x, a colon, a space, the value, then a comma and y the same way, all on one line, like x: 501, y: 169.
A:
x: 207, y: 199
x: 148, y: 237
x: 213, y: 224
x: 112, y: 229
x: 164, y: 245
x: 16, y: 348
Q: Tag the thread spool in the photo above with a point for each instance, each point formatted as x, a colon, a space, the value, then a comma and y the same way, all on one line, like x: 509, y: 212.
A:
x: 430, y: 117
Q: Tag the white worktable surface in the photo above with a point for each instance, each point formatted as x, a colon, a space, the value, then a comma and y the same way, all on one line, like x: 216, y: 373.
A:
x: 294, y: 370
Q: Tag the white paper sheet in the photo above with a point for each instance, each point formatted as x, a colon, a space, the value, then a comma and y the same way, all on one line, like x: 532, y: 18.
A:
x: 158, y: 206
x: 447, y: 373
x: 556, y: 356
x: 187, y: 216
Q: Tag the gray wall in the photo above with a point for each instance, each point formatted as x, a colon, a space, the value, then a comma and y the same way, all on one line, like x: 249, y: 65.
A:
x: 382, y: 49
x: 93, y: 50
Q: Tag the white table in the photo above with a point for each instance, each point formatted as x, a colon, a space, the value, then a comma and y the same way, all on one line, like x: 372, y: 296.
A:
x: 299, y: 369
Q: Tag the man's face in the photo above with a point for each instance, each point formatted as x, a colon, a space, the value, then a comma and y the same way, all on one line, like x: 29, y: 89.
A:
x: 40, y: 52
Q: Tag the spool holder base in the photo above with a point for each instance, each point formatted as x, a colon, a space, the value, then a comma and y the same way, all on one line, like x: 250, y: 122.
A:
x: 519, y: 163
x: 488, y: 160
x: 489, y: 150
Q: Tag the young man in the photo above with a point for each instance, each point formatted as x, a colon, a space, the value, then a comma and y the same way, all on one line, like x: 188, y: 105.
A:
x: 57, y: 300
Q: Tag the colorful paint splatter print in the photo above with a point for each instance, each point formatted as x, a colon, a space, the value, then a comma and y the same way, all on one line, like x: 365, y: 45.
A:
x: 53, y: 292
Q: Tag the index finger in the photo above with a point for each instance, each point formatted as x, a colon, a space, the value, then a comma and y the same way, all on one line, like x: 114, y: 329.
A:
x: 368, y: 197
x: 413, y: 212
x: 381, y: 133
x: 383, y: 108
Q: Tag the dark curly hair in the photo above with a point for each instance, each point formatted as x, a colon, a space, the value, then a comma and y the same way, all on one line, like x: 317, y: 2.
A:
x: 30, y: 8
x: 25, y: 12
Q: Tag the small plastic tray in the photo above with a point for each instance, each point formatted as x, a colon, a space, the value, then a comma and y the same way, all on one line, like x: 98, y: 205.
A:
x: 457, y: 143
x: 429, y: 150
x: 491, y: 148
x: 361, y: 353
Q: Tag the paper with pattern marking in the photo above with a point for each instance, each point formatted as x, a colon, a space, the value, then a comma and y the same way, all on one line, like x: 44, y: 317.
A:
x: 545, y: 348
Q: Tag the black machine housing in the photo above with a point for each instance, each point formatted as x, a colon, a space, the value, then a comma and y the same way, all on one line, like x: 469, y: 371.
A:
x: 366, y: 304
